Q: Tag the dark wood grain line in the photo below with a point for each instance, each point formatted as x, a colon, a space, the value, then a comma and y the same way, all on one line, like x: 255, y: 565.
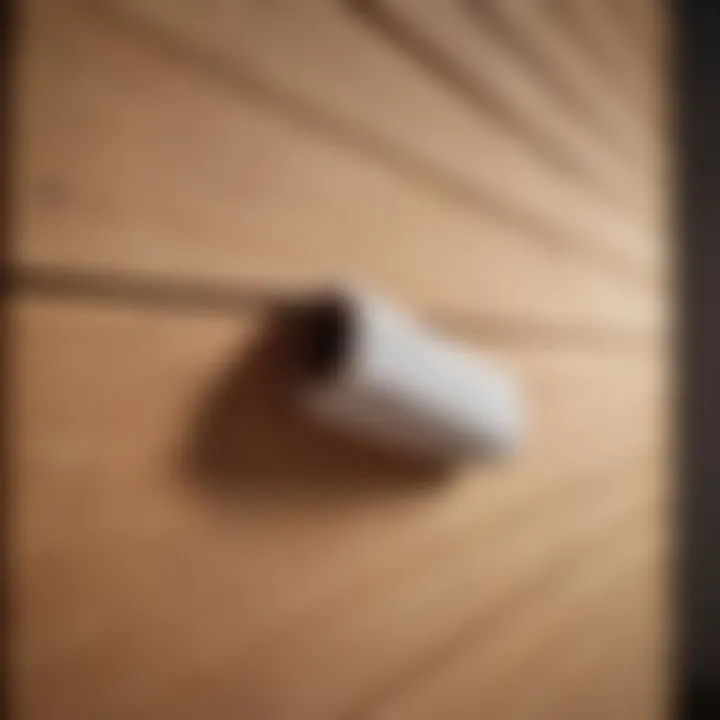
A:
x: 331, y: 128
x: 487, y: 14
x: 596, y: 52
x: 354, y: 598
x: 567, y: 564
x: 481, y: 98
x: 184, y: 294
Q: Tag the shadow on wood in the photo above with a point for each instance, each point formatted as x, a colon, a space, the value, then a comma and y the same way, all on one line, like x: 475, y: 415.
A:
x: 250, y: 440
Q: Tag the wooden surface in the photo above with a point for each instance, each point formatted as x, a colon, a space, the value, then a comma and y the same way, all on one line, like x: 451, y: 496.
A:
x: 181, y: 550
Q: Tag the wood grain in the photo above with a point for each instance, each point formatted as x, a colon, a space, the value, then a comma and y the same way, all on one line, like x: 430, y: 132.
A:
x: 134, y: 164
x: 495, y: 662
x: 629, y: 673
x: 482, y: 63
x: 294, y: 592
x: 539, y: 36
x: 603, y: 35
x: 331, y: 68
x: 184, y: 545
x: 599, y: 669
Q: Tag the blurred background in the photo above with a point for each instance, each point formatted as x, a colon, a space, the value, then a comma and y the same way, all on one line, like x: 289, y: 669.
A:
x: 503, y: 170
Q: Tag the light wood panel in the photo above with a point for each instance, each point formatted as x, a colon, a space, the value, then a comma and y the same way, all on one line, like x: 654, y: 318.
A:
x: 135, y: 163
x: 578, y: 671
x: 647, y: 24
x: 303, y: 592
x: 606, y: 666
x: 501, y: 657
x: 483, y: 64
x: 627, y: 674
x: 183, y: 545
x: 542, y: 40
x: 329, y: 72
x: 601, y: 31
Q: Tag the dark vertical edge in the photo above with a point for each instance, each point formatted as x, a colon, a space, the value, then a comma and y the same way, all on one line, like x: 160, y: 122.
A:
x: 8, y: 28
x: 698, y: 232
